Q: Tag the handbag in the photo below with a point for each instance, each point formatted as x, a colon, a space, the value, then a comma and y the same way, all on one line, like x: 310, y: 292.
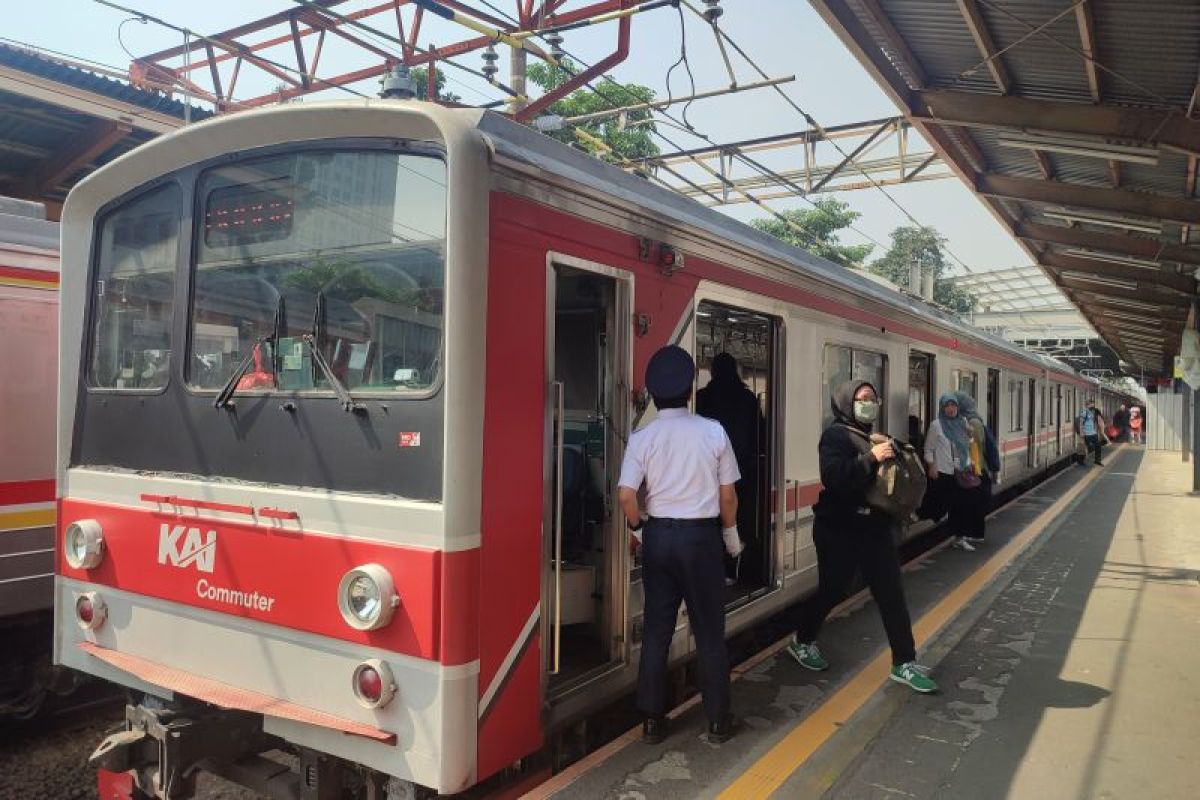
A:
x: 967, y: 479
x: 899, y: 483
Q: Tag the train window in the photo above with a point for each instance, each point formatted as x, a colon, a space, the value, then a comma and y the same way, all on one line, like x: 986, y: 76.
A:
x: 1016, y: 405
x: 843, y: 364
x: 344, y: 246
x: 968, y: 383
x: 133, y: 292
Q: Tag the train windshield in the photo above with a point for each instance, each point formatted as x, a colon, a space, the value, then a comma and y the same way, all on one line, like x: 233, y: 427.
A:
x: 346, y: 247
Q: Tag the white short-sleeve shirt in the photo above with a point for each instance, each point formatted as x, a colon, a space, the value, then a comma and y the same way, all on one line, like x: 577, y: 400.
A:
x: 938, y: 449
x: 684, y: 460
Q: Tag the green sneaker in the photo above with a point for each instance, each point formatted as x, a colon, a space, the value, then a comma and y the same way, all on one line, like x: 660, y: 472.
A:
x: 913, y: 676
x: 807, y: 655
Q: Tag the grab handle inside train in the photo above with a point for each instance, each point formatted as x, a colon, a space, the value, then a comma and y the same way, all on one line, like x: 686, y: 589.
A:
x: 559, y: 443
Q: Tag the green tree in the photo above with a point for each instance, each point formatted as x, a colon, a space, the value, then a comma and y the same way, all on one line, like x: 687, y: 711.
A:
x: 630, y: 138
x: 923, y: 246
x: 818, y: 234
x: 420, y: 77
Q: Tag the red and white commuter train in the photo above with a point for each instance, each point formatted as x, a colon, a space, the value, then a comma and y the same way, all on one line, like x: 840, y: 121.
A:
x: 344, y: 391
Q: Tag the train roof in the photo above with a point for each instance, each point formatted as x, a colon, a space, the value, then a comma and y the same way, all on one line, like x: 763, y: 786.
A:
x: 24, y: 223
x: 523, y: 144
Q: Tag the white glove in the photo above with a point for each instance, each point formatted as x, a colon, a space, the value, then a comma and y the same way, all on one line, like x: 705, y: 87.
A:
x: 733, y: 542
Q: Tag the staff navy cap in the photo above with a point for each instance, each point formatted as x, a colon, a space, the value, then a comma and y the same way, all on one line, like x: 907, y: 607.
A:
x: 670, y: 372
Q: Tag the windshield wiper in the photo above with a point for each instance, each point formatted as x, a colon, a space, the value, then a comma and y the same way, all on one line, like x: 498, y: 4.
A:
x: 224, y: 397
x: 343, y: 394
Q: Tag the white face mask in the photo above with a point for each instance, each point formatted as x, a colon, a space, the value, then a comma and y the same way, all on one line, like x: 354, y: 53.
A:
x: 866, y: 411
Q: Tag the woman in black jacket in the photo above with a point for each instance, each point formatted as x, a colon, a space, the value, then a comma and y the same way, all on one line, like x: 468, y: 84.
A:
x: 849, y: 535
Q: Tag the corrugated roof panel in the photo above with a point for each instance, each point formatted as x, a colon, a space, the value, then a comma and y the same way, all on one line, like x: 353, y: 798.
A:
x: 1040, y: 68
x: 44, y: 67
x: 1153, y: 43
x: 1169, y: 177
x: 937, y: 35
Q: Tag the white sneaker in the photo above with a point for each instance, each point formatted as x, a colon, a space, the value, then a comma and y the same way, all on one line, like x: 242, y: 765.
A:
x: 963, y: 544
x: 976, y: 541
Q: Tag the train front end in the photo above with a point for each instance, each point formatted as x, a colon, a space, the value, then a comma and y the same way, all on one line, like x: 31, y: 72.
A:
x: 270, y: 425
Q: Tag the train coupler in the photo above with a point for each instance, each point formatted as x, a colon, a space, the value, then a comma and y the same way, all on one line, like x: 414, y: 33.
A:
x: 165, y: 747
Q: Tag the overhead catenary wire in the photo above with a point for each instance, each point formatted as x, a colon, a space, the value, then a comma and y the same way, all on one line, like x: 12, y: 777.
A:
x: 821, y: 130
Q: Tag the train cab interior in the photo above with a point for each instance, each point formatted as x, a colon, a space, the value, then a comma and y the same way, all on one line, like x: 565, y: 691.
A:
x: 735, y: 360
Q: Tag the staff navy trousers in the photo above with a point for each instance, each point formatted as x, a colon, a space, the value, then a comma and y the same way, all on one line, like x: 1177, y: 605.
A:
x: 684, y: 562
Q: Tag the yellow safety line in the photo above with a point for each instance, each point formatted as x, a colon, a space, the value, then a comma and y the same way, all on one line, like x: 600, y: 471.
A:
x: 777, y: 765
x: 27, y: 519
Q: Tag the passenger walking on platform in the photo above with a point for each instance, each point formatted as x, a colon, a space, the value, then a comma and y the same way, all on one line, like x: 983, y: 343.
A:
x: 948, y: 460
x: 985, y: 464
x: 849, y: 535
x: 689, y: 468
x: 729, y: 401
x: 1137, y: 425
x: 1090, y: 425
x: 1121, y: 423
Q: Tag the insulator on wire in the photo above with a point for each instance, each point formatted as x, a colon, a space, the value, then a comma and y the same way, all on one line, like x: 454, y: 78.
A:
x: 398, y: 84
x: 555, y: 40
x: 489, y: 62
x: 713, y: 10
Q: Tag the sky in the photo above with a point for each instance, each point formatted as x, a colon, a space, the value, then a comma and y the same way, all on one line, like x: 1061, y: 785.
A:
x: 786, y: 37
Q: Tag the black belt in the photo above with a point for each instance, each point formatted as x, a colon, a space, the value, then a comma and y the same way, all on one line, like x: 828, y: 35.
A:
x: 696, y: 522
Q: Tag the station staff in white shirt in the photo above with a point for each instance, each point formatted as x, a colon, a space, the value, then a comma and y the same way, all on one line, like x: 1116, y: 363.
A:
x: 689, y: 469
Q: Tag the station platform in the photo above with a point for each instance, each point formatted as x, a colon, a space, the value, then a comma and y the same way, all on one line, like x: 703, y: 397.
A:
x: 1064, y: 650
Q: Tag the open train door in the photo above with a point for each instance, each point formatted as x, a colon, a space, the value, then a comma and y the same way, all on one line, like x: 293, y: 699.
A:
x: 1032, y: 418
x: 1058, y: 437
x: 584, y: 587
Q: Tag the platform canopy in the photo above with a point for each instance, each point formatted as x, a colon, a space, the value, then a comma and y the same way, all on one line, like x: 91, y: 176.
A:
x: 1077, y: 123
x: 60, y: 119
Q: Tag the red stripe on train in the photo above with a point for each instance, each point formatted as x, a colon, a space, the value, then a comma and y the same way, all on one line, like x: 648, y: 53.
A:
x: 20, y: 492
x: 284, y: 577
x: 48, y: 277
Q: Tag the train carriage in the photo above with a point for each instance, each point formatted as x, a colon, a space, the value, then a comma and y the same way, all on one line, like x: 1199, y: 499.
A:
x: 28, y: 329
x: 345, y: 388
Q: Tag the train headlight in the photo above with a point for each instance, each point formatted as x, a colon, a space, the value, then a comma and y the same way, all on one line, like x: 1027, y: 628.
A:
x: 90, y: 611
x: 367, y: 597
x: 83, y: 544
x: 373, y: 683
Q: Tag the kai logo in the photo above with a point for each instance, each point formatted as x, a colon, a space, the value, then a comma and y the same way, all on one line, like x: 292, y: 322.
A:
x: 181, y: 546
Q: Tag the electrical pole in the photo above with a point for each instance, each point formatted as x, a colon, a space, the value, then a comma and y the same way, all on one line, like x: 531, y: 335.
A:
x: 517, y: 78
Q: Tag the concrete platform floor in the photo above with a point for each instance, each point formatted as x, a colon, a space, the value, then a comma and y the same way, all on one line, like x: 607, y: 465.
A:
x: 1082, y: 679
x: 1067, y: 651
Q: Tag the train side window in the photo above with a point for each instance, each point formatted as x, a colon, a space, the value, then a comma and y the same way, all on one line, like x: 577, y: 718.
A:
x: 966, y: 382
x: 133, y: 292
x: 841, y: 364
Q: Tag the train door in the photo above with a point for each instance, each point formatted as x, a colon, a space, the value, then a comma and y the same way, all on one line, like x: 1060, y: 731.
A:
x: 1031, y: 458
x: 922, y: 379
x: 993, y: 401
x: 1058, y: 437
x: 737, y: 354
x: 588, y: 361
